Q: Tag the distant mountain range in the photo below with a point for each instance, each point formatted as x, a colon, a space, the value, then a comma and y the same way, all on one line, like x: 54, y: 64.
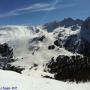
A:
x: 67, y: 22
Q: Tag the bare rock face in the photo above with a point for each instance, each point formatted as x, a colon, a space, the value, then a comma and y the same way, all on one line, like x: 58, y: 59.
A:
x: 70, y: 68
x: 79, y: 22
x: 69, y: 22
x: 51, y: 26
x: 81, y: 46
x: 5, y: 50
x: 85, y: 36
x: 85, y: 30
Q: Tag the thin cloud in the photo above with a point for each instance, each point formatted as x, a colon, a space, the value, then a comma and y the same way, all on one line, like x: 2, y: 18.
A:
x: 38, y: 7
x: 33, y: 8
x: 58, y: 5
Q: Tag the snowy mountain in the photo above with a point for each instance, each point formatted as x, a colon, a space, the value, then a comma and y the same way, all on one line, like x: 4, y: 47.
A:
x: 58, y: 54
x: 66, y: 23
x: 30, y: 47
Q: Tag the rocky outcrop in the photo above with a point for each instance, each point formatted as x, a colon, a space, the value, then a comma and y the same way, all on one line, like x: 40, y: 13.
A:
x: 76, y: 43
x: 5, y: 50
x: 14, y: 68
x: 51, y: 26
x: 51, y: 47
x: 85, y: 30
x: 72, y: 43
x: 69, y: 22
x: 85, y: 36
x: 6, y: 58
x: 70, y: 68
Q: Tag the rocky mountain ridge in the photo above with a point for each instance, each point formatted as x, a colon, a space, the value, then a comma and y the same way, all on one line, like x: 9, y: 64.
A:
x: 34, y: 49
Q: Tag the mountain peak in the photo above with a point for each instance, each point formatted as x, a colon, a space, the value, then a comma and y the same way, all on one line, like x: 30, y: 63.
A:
x: 67, y: 22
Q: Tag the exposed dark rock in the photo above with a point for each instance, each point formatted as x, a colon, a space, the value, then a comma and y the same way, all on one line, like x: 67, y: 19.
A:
x: 84, y: 48
x: 86, y: 24
x: 7, y: 58
x: 79, y: 22
x: 85, y: 30
x: 36, y: 39
x: 74, y: 68
x: 51, y: 26
x: 56, y: 43
x: 35, y: 65
x: 5, y: 50
x: 13, y: 68
x: 85, y: 37
x: 47, y: 77
x: 72, y: 43
x: 51, y: 47
x: 37, y: 30
x: 41, y: 38
x: 69, y: 22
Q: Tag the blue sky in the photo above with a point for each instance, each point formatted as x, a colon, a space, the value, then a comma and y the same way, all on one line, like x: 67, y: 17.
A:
x: 41, y: 11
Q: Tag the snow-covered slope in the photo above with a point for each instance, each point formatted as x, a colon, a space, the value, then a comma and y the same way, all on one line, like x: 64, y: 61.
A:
x: 17, y: 81
x: 34, y: 47
x: 30, y: 47
x: 38, y: 53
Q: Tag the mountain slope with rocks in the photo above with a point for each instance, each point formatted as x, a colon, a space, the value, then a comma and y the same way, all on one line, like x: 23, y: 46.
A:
x: 39, y: 53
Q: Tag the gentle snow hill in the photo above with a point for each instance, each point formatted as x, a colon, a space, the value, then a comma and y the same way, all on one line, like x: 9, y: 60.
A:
x: 9, y: 79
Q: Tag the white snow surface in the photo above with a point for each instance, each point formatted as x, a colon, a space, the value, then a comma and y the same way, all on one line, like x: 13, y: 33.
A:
x: 21, y: 39
x: 9, y: 79
x: 29, y: 51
